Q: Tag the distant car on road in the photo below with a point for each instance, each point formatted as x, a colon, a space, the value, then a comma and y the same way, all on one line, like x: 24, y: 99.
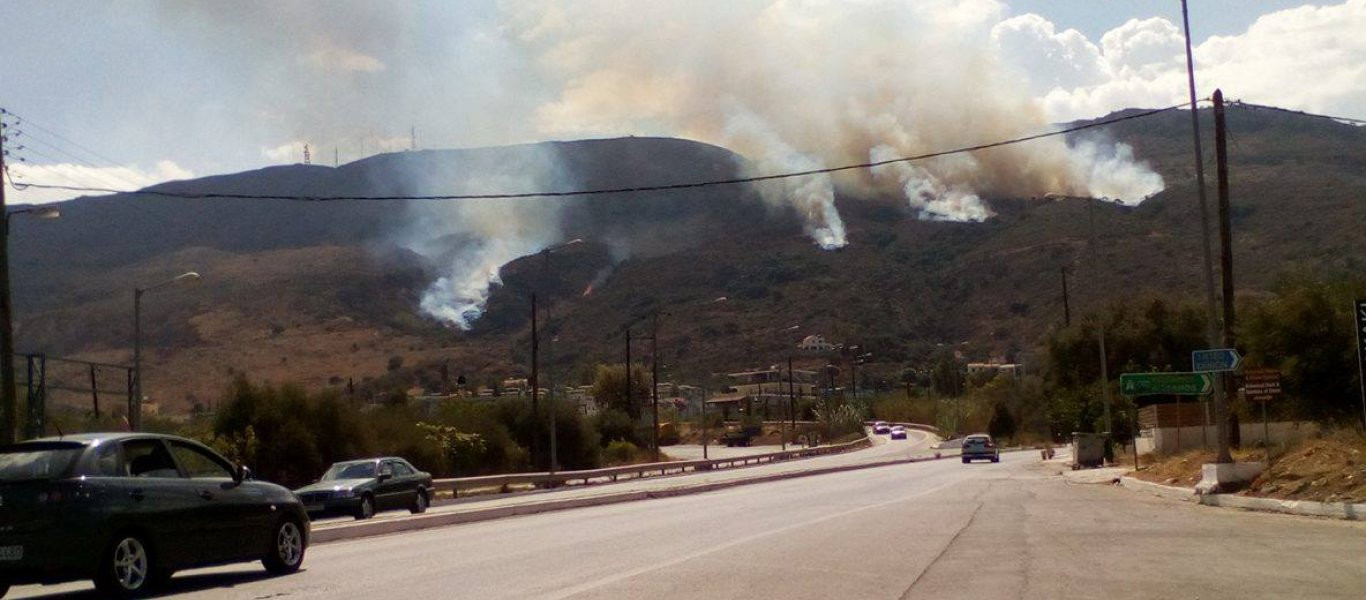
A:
x: 980, y: 446
x: 129, y: 509
x: 881, y: 428
x: 361, y: 488
x: 899, y: 433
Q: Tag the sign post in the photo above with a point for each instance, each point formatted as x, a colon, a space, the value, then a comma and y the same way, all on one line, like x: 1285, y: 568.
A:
x: 1361, y: 352
x: 1155, y: 384
x: 1263, y: 385
x: 1215, y: 360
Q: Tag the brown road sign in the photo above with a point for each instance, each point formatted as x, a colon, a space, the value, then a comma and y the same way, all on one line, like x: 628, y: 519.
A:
x: 1262, y: 385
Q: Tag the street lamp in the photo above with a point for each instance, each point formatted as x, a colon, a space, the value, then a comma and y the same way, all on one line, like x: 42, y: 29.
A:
x: 135, y: 407
x: 9, y: 400
x: 550, y: 356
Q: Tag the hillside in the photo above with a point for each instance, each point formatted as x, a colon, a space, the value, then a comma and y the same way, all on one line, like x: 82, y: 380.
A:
x: 322, y: 292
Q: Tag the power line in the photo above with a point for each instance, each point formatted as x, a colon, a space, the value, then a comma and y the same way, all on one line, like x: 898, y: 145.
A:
x: 39, y: 127
x: 1252, y: 106
x: 632, y: 189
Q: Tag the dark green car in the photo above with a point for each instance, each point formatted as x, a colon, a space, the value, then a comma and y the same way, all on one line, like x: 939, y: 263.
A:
x: 129, y: 509
x: 360, y: 488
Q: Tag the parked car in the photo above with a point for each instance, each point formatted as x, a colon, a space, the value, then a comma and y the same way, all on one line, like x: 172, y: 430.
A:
x: 361, y: 488
x: 899, y: 432
x: 129, y: 509
x: 980, y: 446
x: 881, y: 427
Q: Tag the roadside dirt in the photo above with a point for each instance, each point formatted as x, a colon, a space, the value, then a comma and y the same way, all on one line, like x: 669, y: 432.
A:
x: 1328, y: 469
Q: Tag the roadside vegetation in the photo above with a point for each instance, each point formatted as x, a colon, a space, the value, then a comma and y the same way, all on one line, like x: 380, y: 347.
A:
x: 1303, y: 327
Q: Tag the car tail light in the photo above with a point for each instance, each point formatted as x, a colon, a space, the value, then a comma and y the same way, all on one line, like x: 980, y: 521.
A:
x: 991, y: 445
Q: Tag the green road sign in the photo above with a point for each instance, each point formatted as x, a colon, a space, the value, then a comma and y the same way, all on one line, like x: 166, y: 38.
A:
x: 1180, y: 384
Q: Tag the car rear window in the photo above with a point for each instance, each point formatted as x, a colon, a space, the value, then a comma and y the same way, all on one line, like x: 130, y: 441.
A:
x: 24, y: 462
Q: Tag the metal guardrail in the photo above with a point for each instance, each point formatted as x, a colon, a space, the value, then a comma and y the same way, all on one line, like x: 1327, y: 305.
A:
x: 457, y: 485
x: 909, y: 425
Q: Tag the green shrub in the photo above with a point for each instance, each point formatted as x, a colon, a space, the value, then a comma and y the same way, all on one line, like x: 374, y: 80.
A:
x: 620, y: 452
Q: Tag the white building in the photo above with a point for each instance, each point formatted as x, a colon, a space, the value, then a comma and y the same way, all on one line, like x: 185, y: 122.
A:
x: 815, y: 343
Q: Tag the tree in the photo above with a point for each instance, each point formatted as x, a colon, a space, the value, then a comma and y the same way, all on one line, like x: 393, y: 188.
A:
x: 1306, y: 331
x: 609, y: 390
x: 1002, y: 424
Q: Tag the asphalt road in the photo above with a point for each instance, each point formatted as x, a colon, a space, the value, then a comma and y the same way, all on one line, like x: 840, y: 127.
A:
x: 936, y: 529
x: 882, y: 450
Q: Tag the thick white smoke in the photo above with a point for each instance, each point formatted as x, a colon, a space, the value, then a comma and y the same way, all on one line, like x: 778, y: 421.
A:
x: 796, y: 84
x: 471, y: 240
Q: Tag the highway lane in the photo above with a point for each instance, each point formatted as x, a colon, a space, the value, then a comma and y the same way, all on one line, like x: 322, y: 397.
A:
x: 917, y: 444
x: 936, y: 529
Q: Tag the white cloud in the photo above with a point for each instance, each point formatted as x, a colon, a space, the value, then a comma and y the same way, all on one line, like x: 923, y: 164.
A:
x: 1310, y: 58
x: 118, y: 178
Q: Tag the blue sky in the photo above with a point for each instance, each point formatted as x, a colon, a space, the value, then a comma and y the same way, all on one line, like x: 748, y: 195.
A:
x: 149, y: 91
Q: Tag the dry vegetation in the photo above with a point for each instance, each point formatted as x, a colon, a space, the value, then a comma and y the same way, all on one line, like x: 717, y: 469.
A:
x: 1327, y: 469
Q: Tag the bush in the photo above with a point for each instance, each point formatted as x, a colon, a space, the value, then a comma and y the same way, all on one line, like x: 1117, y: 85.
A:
x: 621, y: 453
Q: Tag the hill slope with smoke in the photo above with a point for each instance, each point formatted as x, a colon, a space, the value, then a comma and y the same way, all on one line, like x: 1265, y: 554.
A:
x: 323, y: 292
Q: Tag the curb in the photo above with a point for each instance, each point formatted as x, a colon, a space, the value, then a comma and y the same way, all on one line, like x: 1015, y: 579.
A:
x: 1165, y: 491
x: 1336, y: 510
x: 351, y: 531
x: 1306, y: 508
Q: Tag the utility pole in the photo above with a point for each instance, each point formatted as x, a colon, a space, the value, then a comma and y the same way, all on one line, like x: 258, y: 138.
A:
x: 135, y: 410
x: 1225, y: 252
x: 791, y: 400
x: 550, y: 367
x: 630, y: 399
x: 1095, y: 283
x: 535, y: 386
x: 1211, y: 317
x: 654, y: 379
x: 9, y: 405
x: 1066, y: 305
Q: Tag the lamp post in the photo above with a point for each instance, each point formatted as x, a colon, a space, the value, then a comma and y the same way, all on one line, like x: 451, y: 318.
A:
x: 10, y: 404
x: 135, y: 407
x: 550, y: 354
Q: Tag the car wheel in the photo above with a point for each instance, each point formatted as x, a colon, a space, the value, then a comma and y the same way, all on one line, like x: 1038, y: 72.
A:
x: 420, y: 503
x: 125, y: 569
x: 995, y: 459
x: 966, y: 460
x: 287, y: 548
x: 4, y: 588
x: 367, y: 507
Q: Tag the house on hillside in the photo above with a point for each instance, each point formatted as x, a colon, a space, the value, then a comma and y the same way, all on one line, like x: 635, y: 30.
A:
x: 815, y: 343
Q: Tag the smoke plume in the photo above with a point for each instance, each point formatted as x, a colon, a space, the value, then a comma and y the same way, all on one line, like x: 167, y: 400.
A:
x: 789, y: 84
x: 795, y: 85
x: 472, y: 240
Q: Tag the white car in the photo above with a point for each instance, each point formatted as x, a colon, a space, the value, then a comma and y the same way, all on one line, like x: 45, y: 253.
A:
x: 898, y: 433
x: 880, y: 428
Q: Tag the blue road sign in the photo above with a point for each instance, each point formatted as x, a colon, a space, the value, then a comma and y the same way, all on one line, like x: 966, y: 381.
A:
x: 1221, y: 359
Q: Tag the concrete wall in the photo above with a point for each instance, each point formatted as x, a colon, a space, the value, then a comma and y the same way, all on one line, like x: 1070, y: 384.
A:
x: 1164, y: 439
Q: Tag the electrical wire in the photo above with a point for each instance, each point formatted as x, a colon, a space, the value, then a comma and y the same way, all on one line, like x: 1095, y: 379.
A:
x: 631, y: 189
x: 25, y: 120
x: 1240, y: 103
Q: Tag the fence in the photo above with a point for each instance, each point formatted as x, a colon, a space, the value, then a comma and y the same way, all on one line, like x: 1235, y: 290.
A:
x: 50, y: 381
x: 585, y: 477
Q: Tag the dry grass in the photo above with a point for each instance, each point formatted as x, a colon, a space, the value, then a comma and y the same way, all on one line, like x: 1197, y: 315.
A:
x: 1327, y: 469
x: 1330, y: 469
